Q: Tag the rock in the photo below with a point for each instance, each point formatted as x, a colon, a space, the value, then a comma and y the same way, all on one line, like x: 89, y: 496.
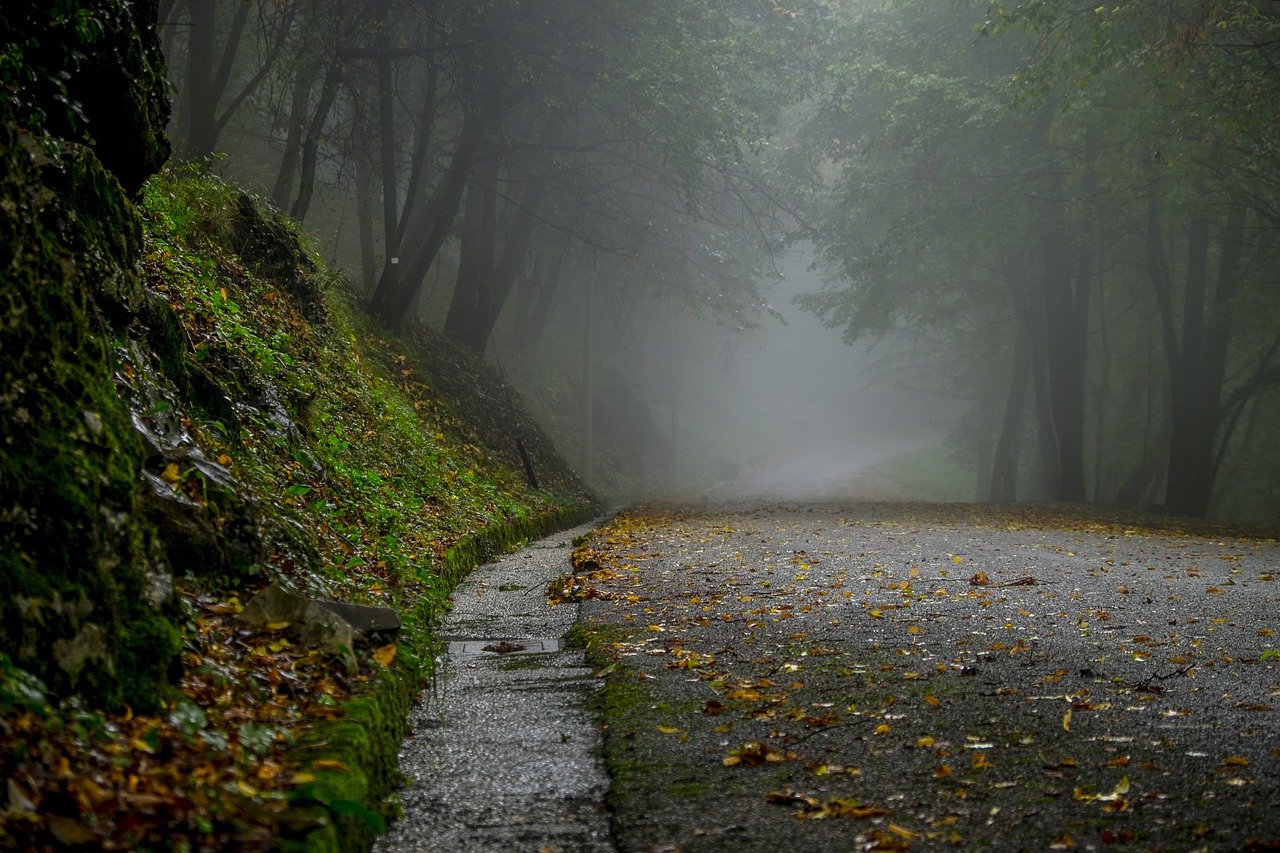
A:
x: 89, y: 644
x: 369, y: 620
x: 333, y: 626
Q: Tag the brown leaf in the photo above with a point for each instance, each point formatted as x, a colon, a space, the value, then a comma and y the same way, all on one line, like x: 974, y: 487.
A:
x: 980, y: 579
x: 505, y: 647
x: 69, y: 831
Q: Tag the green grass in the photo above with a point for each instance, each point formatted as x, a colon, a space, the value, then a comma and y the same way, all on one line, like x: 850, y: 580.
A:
x: 380, y: 473
x: 929, y: 474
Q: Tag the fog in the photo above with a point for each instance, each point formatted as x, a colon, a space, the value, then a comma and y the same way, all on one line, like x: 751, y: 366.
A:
x: 687, y: 406
x: 1049, y: 275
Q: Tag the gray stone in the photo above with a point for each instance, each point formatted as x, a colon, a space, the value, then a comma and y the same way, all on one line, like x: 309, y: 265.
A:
x: 368, y: 619
x: 89, y: 644
x: 315, y: 626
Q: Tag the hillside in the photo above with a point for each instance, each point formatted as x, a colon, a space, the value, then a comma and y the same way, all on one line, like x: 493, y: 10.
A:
x: 193, y: 409
x: 278, y: 437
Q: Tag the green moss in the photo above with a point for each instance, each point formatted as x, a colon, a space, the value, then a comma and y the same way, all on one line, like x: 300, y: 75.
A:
x: 148, y: 658
x: 353, y: 762
x: 76, y: 554
x: 690, y: 789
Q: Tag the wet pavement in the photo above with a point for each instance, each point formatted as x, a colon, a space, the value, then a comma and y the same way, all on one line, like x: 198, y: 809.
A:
x: 810, y: 677
x: 505, y: 752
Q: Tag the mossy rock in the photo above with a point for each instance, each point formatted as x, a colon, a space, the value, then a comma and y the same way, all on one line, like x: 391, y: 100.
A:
x: 84, y: 592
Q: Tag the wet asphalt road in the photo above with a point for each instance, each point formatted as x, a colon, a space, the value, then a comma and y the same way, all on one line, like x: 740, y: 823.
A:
x: 832, y: 677
x: 839, y: 676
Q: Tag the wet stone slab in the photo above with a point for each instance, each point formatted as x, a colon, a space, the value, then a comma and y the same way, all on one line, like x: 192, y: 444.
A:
x: 504, y: 751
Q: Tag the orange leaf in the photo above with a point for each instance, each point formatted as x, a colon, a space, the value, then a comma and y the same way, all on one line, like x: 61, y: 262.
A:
x: 385, y: 655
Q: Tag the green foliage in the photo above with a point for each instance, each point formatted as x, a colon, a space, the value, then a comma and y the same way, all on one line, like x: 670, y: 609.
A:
x: 20, y: 690
x: 336, y: 427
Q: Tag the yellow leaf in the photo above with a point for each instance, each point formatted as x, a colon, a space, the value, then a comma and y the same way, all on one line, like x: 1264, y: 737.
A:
x: 278, y: 626
x: 1066, y: 721
x: 942, y: 771
x: 875, y: 614
x: 882, y: 729
x: 1236, y: 761
x: 171, y: 474
x: 668, y: 730
x: 385, y: 655
x: 330, y: 764
x: 932, y: 701
x: 1121, y: 788
x: 303, y: 778
x: 245, y: 789
x: 924, y: 742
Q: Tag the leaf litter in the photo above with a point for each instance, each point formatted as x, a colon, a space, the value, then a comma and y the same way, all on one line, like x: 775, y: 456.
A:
x: 837, y: 637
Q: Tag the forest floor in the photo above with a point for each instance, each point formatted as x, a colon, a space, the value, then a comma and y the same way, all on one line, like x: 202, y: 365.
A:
x: 893, y: 676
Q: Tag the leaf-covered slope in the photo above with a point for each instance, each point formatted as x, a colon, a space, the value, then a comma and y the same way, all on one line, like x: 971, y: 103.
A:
x: 247, y: 425
x: 371, y: 462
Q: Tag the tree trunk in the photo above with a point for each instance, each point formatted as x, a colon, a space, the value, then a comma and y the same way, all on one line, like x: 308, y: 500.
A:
x: 1196, y: 386
x: 476, y: 258
x: 1066, y: 329
x: 198, y: 121
x: 299, y: 119
x: 364, y: 215
x: 1004, y: 469
x: 388, y: 159
x: 310, y: 148
x: 393, y: 297
x: 478, y: 312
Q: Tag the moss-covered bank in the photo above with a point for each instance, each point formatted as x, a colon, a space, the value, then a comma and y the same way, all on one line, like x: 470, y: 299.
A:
x: 191, y: 407
x: 251, y: 426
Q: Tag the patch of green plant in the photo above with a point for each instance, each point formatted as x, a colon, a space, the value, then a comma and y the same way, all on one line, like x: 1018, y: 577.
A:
x: 930, y: 474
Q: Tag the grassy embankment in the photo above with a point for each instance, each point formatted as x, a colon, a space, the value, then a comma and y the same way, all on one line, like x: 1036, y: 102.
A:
x: 333, y: 457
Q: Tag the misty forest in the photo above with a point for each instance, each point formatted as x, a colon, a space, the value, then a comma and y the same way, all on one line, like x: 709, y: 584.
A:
x: 922, y: 355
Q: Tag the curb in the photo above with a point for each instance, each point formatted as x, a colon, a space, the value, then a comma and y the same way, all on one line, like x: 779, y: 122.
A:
x: 343, y: 809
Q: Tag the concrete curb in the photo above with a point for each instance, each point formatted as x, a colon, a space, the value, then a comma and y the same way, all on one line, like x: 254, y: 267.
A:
x: 343, y: 808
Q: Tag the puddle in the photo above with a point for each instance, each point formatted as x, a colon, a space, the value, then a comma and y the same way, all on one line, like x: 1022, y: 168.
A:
x: 495, y: 647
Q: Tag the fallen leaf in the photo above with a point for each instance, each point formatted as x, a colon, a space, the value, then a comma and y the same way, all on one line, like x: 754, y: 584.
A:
x: 385, y: 655
x: 902, y: 832
x: 980, y: 579
x: 68, y: 831
x: 503, y: 648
